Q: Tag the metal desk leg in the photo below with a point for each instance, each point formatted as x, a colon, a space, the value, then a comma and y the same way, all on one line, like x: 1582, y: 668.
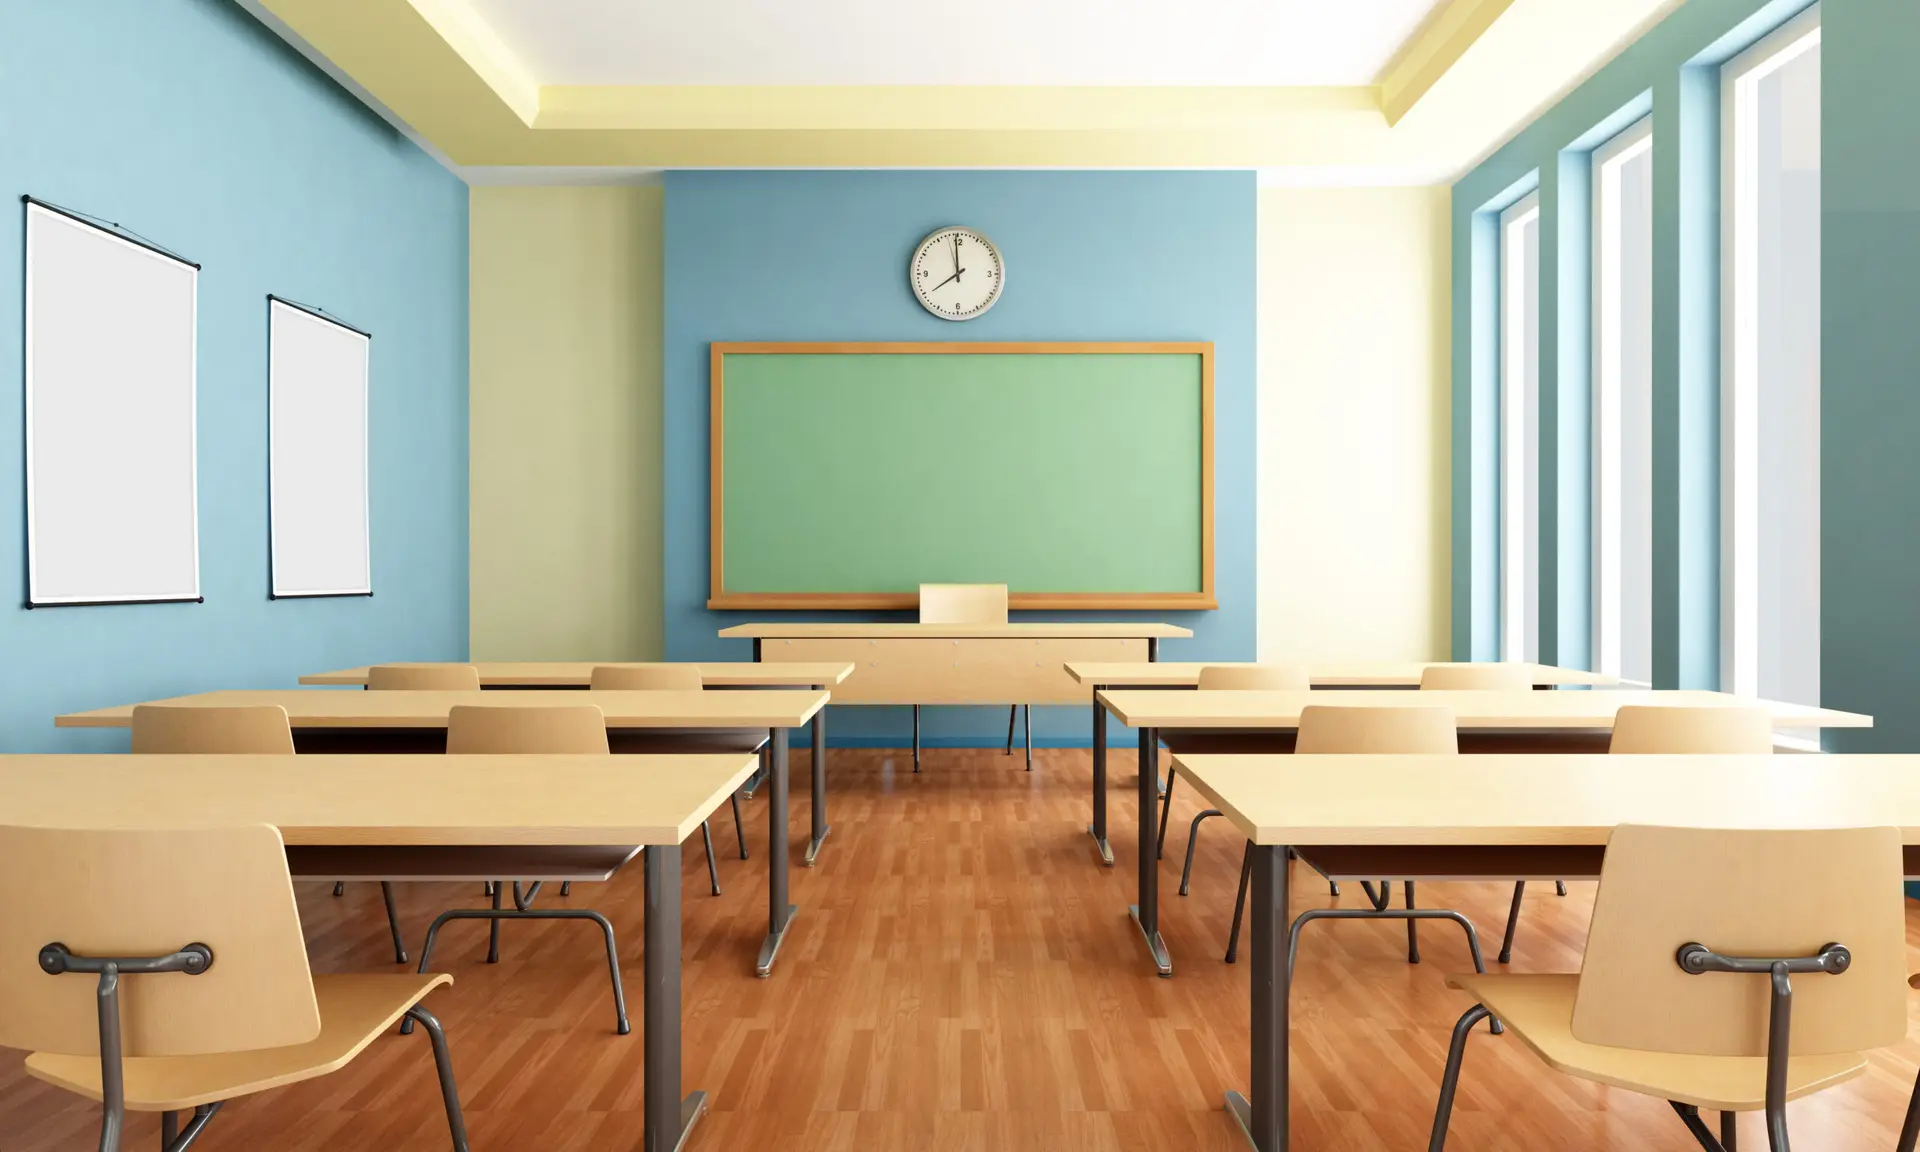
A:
x: 779, y: 913
x: 820, y: 828
x: 1264, y: 1118
x: 669, y: 1118
x: 1098, y: 829
x: 1146, y: 913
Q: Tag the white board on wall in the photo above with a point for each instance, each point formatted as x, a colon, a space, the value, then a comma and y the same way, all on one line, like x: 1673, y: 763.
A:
x: 112, y: 509
x: 317, y: 444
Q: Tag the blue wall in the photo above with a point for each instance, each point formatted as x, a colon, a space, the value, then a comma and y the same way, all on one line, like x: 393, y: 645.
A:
x: 192, y: 124
x: 1090, y: 256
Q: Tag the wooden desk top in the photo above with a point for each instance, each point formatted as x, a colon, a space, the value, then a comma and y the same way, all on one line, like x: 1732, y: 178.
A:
x: 1512, y: 710
x: 576, y: 674
x: 1325, y: 674
x: 908, y: 630
x: 386, y: 800
x: 1547, y: 799
x: 327, y: 708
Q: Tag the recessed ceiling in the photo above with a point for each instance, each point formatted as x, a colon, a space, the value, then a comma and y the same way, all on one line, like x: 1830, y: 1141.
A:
x: 985, y: 42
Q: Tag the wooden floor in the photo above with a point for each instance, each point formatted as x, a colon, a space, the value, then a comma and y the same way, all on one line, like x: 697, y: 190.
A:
x: 962, y: 975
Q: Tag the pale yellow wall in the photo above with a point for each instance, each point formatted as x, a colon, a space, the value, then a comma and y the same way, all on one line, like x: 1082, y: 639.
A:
x: 1353, y: 376
x: 565, y: 512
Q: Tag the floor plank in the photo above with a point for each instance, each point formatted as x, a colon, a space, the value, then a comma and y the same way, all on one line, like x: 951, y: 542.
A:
x: 963, y: 976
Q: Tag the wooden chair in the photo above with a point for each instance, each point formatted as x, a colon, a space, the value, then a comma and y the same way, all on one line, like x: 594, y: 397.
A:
x: 968, y: 604
x: 1477, y: 677
x: 1725, y: 969
x: 1410, y: 731
x: 667, y: 678
x: 423, y: 678
x: 261, y: 729
x: 1651, y: 728
x: 481, y: 728
x: 1228, y: 678
x: 180, y: 728
x: 165, y: 971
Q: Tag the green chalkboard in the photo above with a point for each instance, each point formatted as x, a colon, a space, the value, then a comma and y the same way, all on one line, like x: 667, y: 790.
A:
x: 846, y: 475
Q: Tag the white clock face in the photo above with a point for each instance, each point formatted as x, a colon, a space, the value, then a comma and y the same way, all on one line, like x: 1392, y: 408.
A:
x: 957, y: 273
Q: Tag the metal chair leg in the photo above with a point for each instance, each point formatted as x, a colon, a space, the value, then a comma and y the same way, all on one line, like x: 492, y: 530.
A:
x: 916, y: 737
x: 1413, y: 928
x: 1910, y: 1131
x: 1026, y: 710
x: 1729, y: 1133
x: 393, y: 923
x: 496, y: 914
x: 1513, y: 921
x: 1013, y: 714
x: 739, y: 829
x: 713, y: 872
x: 1193, y: 838
x: 339, y: 888
x: 1381, y: 899
x: 1333, y: 889
x: 493, y: 926
x: 1559, y: 887
x: 1166, y: 806
x: 1240, y: 902
x: 443, y: 1064
x: 1450, y: 1082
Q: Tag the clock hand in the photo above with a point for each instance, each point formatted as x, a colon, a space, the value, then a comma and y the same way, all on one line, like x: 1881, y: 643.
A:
x: 956, y: 258
x: 945, y: 282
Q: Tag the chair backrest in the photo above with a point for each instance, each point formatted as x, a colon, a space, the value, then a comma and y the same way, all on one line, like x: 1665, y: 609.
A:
x: 1772, y: 893
x: 963, y: 603
x: 1417, y: 729
x: 529, y: 728
x: 1477, y: 677
x: 645, y: 678
x: 1652, y: 728
x: 1254, y: 678
x: 145, y: 893
x: 183, y: 728
x: 423, y: 677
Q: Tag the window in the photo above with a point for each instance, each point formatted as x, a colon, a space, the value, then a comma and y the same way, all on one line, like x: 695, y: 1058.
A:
x: 1623, y: 405
x: 1770, y: 366
x: 1520, y: 430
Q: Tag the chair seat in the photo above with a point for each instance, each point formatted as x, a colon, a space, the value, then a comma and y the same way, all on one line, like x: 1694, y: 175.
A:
x: 1539, y: 1010
x: 353, y: 1010
x: 585, y: 863
x: 1417, y: 862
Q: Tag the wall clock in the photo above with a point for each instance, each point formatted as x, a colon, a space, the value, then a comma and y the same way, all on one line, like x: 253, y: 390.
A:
x: 956, y: 273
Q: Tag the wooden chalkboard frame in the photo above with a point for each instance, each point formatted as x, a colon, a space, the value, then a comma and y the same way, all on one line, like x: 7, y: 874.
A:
x: 719, y: 598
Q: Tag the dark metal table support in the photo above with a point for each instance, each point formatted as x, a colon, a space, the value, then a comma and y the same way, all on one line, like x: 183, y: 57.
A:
x: 1098, y: 829
x: 820, y: 828
x: 1146, y: 913
x: 1263, y: 1118
x: 669, y: 1117
x: 779, y: 913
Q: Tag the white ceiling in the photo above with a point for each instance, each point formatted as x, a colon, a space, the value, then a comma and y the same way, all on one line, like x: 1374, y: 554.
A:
x: 1014, y: 42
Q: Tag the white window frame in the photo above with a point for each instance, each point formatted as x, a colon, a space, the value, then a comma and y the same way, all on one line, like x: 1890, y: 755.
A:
x: 1740, y: 80
x: 1608, y: 162
x: 1514, y: 529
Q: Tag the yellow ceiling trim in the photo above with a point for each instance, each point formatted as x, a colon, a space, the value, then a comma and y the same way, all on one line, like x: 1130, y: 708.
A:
x: 1439, y: 44
x: 945, y: 109
x: 475, y: 41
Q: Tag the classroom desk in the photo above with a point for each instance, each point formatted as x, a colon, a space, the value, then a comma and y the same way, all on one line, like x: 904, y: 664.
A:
x: 913, y: 663
x: 578, y: 673
x: 1325, y: 674
x: 328, y: 721
x: 1473, y: 803
x: 429, y: 800
x: 1517, y: 722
